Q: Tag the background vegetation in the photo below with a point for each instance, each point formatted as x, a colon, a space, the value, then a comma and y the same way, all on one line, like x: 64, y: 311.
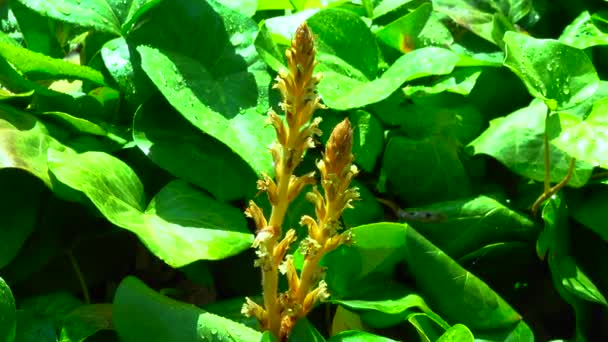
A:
x: 132, y: 133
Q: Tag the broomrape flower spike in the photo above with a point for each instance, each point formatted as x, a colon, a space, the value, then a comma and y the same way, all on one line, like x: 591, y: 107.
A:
x: 295, y: 135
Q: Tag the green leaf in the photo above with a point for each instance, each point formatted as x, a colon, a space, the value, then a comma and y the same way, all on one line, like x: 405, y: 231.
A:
x: 457, y: 333
x: 559, y: 74
x: 19, y: 208
x: 247, y: 7
x: 85, y: 321
x: 173, y: 227
x: 7, y: 313
x: 403, y: 32
x: 268, y: 50
x: 461, y: 81
x: 425, y: 170
x: 368, y: 139
x: 102, y: 15
x: 366, y: 210
x: 223, y: 107
x: 305, y: 331
x: 586, y: 140
x: 463, y: 226
x: 390, y: 308
x: 38, y: 66
x: 38, y: 32
x: 177, y: 146
x: 122, y: 62
x: 591, y: 210
x: 25, y: 142
x: 485, y: 18
x: 517, y: 141
x: 452, y: 291
x: 140, y: 314
x: 586, y: 31
x: 355, y: 336
x: 350, y: 80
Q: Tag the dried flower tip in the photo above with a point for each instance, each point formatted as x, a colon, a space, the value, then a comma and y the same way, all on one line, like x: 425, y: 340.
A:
x: 256, y: 213
x: 338, y: 151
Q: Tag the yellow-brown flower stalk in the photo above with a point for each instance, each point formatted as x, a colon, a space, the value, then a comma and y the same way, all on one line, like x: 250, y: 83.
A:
x: 297, y: 86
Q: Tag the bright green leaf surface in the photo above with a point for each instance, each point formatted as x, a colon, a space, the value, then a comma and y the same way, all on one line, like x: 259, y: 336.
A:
x: 351, y: 80
x: 141, y: 314
x: 177, y: 146
x: 452, y: 291
x: 517, y: 141
x: 103, y: 15
x: 224, y: 108
x: 457, y: 333
x: 173, y: 227
x: 586, y: 31
x: 37, y: 65
x: 560, y: 75
x: 587, y: 140
x: 406, y: 29
x: 461, y: 81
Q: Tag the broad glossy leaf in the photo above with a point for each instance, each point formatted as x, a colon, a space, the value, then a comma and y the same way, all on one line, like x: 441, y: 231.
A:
x: 559, y: 74
x: 223, y: 106
x: 355, y: 336
x: 19, y: 209
x: 7, y: 313
x: 174, y: 226
x: 351, y: 80
x: 122, y: 61
x: 461, y: 81
x: 24, y: 143
x: 403, y: 32
x: 462, y: 226
x: 40, y: 317
x: 177, y: 146
x: 390, y: 309
x: 38, y: 31
x: 141, y: 314
x: 452, y: 291
x: 102, y: 15
x: 269, y: 51
x: 587, y: 139
x: 38, y: 66
x: 457, y: 333
x: 586, y: 31
x: 517, y: 141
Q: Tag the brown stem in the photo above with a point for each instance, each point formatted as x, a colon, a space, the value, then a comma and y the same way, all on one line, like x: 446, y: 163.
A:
x: 552, y: 191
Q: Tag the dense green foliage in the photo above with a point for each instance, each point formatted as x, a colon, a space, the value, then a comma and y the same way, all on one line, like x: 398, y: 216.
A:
x: 132, y: 133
